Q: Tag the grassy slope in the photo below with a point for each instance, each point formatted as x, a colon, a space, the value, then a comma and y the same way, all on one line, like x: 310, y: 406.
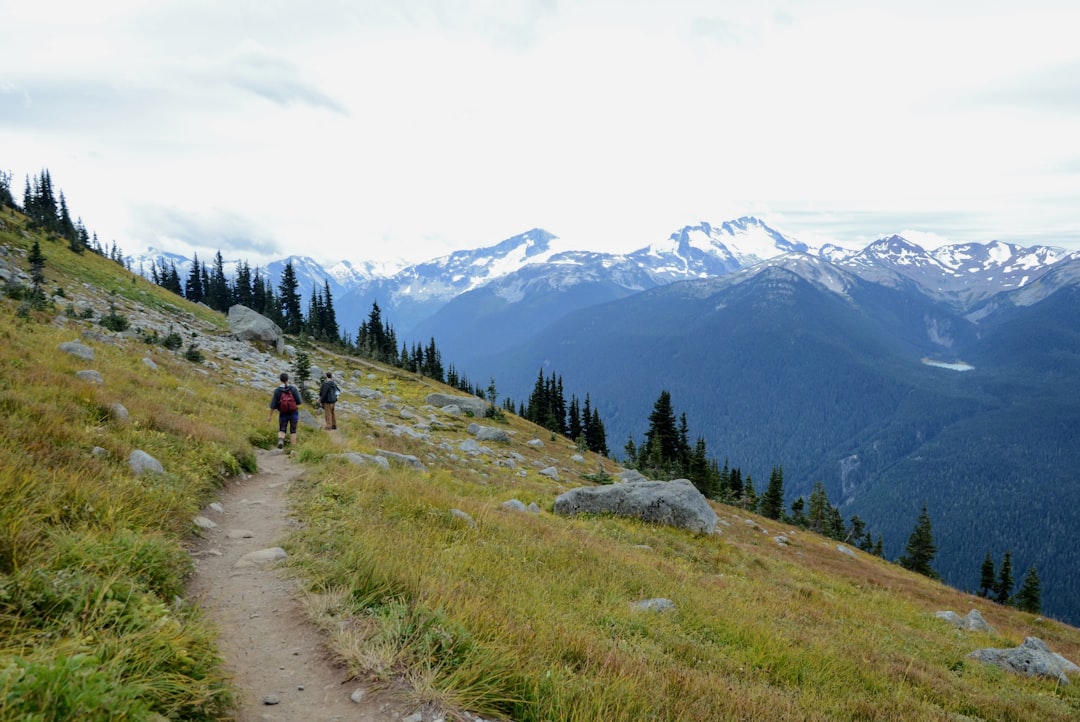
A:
x: 524, y: 615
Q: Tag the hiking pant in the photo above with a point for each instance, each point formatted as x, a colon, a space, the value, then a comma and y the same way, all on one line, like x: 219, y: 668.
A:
x: 329, y: 420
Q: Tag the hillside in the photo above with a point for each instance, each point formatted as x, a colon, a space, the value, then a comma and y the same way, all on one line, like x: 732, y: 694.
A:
x: 419, y: 576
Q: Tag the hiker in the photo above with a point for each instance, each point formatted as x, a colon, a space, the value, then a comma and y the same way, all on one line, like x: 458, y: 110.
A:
x: 288, y: 409
x: 328, y: 395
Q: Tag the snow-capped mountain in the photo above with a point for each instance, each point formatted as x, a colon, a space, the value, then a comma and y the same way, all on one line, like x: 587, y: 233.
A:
x: 961, y: 274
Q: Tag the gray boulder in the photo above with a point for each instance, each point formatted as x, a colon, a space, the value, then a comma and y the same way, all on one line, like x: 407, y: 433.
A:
x: 1032, y: 658
x: 142, y: 463
x: 973, y: 622
x: 487, y: 433
x: 466, y: 403
x: 78, y: 349
x: 91, y: 376
x: 248, y: 325
x: 674, y: 503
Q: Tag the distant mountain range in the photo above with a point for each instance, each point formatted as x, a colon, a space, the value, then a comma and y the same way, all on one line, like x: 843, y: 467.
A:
x: 895, y: 374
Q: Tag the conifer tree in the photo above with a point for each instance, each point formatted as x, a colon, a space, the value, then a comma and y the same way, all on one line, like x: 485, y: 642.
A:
x: 193, y: 288
x: 289, y: 296
x: 749, y: 499
x: 920, y: 550
x: 1004, y: 584
x: 1029, y: 598
x: 37, y: 274
x: 217, y: 293
x: 798, y: 513
x: 661, y: 447
x: 772, y: 501
x: 987, y: 576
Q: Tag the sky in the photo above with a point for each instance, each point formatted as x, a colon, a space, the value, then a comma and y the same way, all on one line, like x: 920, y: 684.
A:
x: 374, y: 130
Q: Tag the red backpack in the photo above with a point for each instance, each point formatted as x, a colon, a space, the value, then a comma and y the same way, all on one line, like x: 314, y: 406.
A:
x: 287, y: 402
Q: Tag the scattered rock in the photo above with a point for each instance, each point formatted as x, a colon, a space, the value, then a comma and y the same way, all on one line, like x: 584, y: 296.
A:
x: 248, y: 325
x: 466, y: 403
x: 459, y: 514
x: 91, y: 376
x: 142, y: 463
x: 1032, y: 659
x: 655, y: 605
x: 551, y: 472
x: 846, y: 550
x: 79, y: 349
x: 973, y: 622
x: 674, y: 503
x: 261, y: 556
x: 203, y: 523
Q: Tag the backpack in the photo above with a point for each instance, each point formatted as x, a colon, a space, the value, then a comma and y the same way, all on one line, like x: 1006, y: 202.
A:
x: 287, y: 402
x: 331, y: 394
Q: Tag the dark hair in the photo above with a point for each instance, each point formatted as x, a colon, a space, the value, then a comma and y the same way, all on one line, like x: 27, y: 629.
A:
x: 329, y: 375
x: 284, y: 377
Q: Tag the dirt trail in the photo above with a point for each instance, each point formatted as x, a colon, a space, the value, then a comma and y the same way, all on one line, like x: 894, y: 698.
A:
x: 281, y: 670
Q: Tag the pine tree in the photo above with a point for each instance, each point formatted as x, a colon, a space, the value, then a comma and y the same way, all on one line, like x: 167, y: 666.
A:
x: 37, y: 274
x: 1004, y: 584
x: 987, y: 576
x: 798, y: 513
x: 920, y: 550
x: 1029, y: 598
x: 772, y: 501
x: 193, y: 288
x: 289, y: 295
x: 662, y: 448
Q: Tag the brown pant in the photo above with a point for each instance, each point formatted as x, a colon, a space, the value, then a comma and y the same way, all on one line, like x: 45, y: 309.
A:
x: 329, y: 420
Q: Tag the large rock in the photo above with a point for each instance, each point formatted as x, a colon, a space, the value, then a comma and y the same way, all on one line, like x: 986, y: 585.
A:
x: 1032, y: 658
x: 473, y: 404
x: 674, y: 503
x: 248, y: 325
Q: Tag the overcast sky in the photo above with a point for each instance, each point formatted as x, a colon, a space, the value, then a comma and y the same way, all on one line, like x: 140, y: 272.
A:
x: 410, y: 128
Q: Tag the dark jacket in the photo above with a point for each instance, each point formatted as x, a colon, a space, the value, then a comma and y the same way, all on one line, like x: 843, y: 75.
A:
x: 324, y: 391
x: 277, y: 396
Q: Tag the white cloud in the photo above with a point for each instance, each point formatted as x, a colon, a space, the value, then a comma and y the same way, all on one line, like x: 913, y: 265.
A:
x: 410, y: 128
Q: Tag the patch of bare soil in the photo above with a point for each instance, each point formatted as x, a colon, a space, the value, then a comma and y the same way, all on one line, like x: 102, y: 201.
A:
x: 281, y: 668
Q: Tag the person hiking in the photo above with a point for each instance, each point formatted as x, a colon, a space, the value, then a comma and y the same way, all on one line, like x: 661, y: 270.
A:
x: 288, y: 409
x: 328, y: 396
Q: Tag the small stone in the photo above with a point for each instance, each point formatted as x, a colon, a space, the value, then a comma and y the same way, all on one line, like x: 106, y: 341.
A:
x: 357, y: 696
x: 271, y: 699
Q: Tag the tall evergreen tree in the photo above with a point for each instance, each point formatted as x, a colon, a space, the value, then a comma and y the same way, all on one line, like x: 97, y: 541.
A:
x: 217, y: 293
x: 1029, y: 598
x: 987, y: 576
x: 920, y: 550
x: 37, y: 274
x: 1004, y: 584
x: 289, y: 297
x: 661, y: 450
x: 772, y: 501
x: 193, y: 287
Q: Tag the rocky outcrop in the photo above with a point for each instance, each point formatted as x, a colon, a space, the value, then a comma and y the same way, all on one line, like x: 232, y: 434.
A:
x: 1032, y: 658
x: 673, y: 503
x: 472, y: 404
x: 973, y: 622
x: 248, y: 325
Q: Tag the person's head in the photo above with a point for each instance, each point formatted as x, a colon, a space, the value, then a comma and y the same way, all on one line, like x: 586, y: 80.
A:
x: 329, y: 375
x: 284, y: 377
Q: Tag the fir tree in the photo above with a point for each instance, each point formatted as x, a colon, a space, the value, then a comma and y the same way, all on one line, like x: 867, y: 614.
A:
x: 37, y: 274
x: 987, y: 576
x: 193, y: 287
x: 772, y: 501
x: 1004, y: 584
x: 920, y: 550
x: 1029, y: 598
x: 289, y: 296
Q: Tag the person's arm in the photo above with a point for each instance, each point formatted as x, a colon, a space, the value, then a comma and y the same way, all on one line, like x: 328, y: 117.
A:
x: 273, y: 403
